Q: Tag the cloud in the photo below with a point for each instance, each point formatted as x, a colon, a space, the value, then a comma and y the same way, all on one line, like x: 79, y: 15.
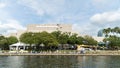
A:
x: 100, y: 21
x: 44, y: 7
x: 2, y: 5
x: 57, y: 11
x: 14, y: 24
x: 10, y: 26
x: 106, y: 17
x: 97, y: 22
x: 85, y: 29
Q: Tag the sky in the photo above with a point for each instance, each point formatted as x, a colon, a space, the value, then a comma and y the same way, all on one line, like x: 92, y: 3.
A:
x: 86, y: 16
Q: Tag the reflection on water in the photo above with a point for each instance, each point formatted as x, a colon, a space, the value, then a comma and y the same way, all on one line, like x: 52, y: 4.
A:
x: 11, y: 61
x: 59, y: 62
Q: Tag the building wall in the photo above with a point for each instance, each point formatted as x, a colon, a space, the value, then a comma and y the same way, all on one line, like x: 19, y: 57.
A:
x: 44, y: 27
x: 100, y: 33
x: 49, y: 27
x: 99, y: 39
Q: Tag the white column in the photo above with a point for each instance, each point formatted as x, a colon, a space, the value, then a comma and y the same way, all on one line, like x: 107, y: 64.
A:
x: 17, y: 47
x: 24, y: 47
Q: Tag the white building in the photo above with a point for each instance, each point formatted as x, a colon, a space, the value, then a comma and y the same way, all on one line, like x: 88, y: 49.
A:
x: 49, y: 27
x: 45, y: 27
x: 99, y: 39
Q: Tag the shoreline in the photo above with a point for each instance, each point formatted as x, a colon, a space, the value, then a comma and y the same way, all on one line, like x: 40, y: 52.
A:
x: 88, y: 53
x: 59, y: 55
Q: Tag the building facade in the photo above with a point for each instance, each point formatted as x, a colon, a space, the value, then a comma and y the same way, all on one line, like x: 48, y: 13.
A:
x: 100, y: 33
x: 49, y: 27
x: 99, y: 39
x: 45, y: 27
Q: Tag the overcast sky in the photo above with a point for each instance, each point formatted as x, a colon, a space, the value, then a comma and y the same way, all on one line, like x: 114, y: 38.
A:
x: 87, y: 16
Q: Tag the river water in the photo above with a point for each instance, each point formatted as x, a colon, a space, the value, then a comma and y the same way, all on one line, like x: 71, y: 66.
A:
x: 59, y: 61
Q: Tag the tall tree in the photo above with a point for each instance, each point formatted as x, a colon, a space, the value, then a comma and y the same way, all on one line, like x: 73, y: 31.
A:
x: 11, y: 40
x: 5, y: 42
x: 27, y: 38
x: 39, y: 38
x: 88, y: 40
x: 114, y: 31
x: 79, y: 40
x: 57, y: 34
x: 72, y: 39
x: 106, y: 32
x: 48, y: 39
x: 63, y: 38
x: 114, y: 42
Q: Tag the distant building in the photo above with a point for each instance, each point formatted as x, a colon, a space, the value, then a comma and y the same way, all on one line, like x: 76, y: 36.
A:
x: 99, y: 39
x: 53, y: 27
x: 100, y: 33
x: 45, y: 27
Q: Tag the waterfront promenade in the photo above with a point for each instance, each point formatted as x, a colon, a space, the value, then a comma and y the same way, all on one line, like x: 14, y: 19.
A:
x: 87, y: 53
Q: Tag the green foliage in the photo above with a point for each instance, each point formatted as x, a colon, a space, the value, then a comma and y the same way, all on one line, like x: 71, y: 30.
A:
x: 56, y: 34
x: 72, y: 39
x: 88, y: 40
x: 6, y: 41
x: 67, y: 38
x: 114, y: 41
x: 38, y: 38
x: 11, y: 40
x: 114, y: 31
x: 79, y: 40
x: 63, y: 38
x: 27, y: 38
x: 3, y: 42
x: 53, y: 39
x: 48, y: 39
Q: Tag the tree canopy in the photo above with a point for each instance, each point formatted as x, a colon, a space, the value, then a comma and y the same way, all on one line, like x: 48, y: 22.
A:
x: 39, y: 38
x: 88, y: 40
x: 112, y: 36
x: 6, y: 41
x: 114, y: 42
x: 55, y: 38
x: 111, y: 31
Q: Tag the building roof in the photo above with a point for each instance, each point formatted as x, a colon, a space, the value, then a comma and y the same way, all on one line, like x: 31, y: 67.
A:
x: 19, y: 44
x: 99, y: 39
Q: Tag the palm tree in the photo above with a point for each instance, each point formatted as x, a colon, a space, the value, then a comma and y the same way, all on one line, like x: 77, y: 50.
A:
x: 106, y: 32
x: 116, y: 29
x: 119, y: 31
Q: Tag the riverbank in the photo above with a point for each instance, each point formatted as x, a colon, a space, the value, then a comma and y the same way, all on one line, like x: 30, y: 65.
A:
x: 87, y: 53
